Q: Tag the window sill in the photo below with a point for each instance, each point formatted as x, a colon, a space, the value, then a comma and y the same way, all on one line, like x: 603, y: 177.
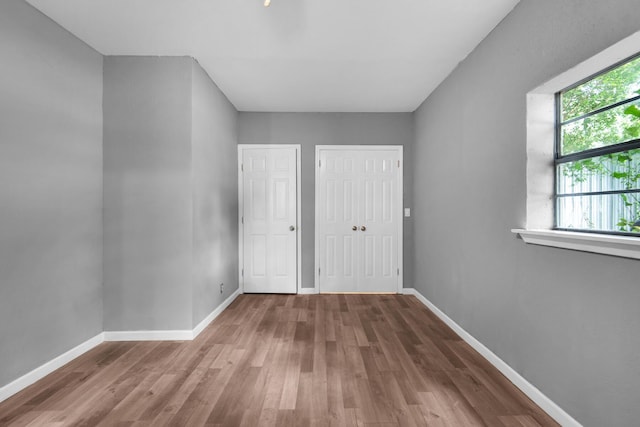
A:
x: 620, y: 246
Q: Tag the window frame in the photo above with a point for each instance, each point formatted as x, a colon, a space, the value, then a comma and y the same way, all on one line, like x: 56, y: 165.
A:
x: 535, y: 225
x: 559, y: 158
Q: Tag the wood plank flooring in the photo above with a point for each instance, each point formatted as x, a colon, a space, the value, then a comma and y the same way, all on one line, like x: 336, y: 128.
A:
x: 286, y: 360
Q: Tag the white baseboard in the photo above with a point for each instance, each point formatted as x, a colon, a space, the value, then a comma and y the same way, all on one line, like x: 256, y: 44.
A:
x: 170, y: 335
x: 307, y: 291
x: 215, y: 313
x: 174, y: 335
x: 548, y: 405
x: 40, y: 372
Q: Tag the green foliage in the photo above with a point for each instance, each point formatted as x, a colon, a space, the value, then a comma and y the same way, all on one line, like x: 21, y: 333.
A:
x: 624, y: 168
x: 606, y: 128
x: 613, y: 126
x: 626, y: 225
x: 633, y: 110
x: 614, y: 86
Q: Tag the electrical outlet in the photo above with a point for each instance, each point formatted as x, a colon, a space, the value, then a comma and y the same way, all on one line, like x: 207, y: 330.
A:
x: 221, y: 287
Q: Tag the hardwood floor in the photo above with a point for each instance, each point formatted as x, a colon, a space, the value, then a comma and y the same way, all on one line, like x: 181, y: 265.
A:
x: 278, y: 360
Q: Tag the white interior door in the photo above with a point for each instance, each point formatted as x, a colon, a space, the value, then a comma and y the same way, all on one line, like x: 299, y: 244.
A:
x: 358, y: 219
x: 338, y: 220
x: 269, y: 219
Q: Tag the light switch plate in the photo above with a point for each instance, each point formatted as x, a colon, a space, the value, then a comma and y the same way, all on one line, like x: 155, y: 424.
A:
x: 407, y: 212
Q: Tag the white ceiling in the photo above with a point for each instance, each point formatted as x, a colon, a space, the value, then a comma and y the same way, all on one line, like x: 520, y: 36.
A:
x: 296, y: 55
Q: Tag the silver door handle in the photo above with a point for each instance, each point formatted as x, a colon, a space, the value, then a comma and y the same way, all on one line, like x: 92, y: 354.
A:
x: 291, y: 228
x: 354, y: 228
x: 363, y: 228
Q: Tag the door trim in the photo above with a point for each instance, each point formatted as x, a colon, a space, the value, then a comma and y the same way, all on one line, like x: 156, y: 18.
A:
x: 241, y: 148
x: 399, y: 211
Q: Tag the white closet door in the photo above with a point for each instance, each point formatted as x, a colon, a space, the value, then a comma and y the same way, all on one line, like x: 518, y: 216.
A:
x: 338, y: 215
x: 358, y: 219
x: 269, y: 220
x: 380, y: 205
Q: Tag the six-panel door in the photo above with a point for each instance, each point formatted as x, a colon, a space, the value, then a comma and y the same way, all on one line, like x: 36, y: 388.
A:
x: 269, y: 220
x: 358, y: 220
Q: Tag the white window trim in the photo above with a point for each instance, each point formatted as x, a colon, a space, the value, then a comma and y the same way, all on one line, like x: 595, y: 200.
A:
x: 540, y: 168
x: 622, y: 246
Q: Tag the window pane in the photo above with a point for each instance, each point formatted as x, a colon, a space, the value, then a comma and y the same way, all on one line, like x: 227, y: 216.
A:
x: 614, y: 86
x: 611, y: 172
x: 607, y: 128
x: 608, y: 212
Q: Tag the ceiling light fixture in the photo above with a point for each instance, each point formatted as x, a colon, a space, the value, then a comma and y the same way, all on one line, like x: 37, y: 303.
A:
x: 267, y: 3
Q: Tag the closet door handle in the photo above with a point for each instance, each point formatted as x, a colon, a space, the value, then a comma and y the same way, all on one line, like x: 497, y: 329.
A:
x: 363, y: 228
x: 354, y: 228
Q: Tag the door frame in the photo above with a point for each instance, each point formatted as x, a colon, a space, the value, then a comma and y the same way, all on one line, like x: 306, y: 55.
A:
x: 241, y: 148
x: 399, y: 209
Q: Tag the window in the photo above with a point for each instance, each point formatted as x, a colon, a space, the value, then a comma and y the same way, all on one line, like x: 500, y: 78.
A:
x: 548, y: 185
x: 597, y: 152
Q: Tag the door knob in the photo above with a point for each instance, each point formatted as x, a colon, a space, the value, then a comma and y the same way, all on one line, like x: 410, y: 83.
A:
x: 363, y: 228
x: 354, y: 228
x: 292, y: 228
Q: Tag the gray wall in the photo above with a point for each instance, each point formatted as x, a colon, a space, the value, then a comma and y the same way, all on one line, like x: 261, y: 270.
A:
x: 215, y: 195
x: 567, y: 321
x: 311, y: 129
x: 50, y: 190
x: 170, y: 209
x: 147, y: 193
